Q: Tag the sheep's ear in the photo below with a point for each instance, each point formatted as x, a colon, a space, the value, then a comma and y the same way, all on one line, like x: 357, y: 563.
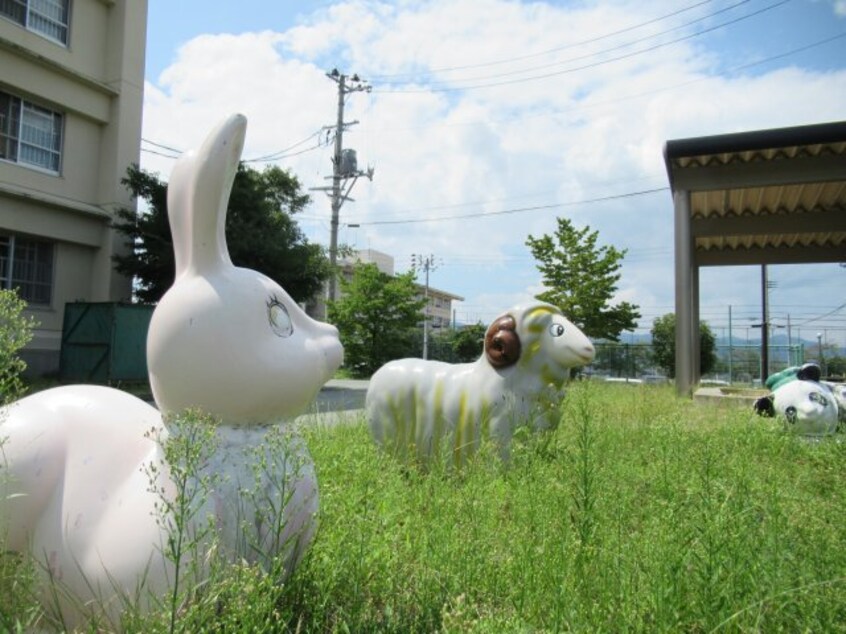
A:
x: 764, y: 406
x: 502, y: 343
x: 536, y: 318
x: 198, y: 195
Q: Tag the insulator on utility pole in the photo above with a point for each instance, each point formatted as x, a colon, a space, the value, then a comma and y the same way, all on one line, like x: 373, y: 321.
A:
x: 344, y: 167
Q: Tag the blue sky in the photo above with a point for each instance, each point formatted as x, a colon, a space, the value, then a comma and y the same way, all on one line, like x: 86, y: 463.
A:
x: 582, y: 97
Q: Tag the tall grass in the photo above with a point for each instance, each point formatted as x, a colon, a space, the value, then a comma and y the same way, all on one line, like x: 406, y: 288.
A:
x: 639, y: 512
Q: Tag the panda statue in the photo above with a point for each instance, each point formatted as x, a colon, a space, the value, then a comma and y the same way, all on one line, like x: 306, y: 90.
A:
x: 809, y: 406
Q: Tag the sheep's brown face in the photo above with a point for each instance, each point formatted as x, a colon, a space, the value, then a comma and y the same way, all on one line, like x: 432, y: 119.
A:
x: 502, y: 344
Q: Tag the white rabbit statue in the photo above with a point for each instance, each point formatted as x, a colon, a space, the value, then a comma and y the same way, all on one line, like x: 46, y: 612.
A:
x: 75, y: 468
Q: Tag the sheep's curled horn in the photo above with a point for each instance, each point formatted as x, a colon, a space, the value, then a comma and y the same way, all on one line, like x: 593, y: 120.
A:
x: 502, y: 344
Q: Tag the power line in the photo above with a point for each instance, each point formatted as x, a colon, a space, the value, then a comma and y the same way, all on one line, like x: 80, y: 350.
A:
x: 831, y: 312
x: 548, y: 51
x: 280, y: 154
x: 616, y: 47
x: 267, y: 158
x: 279, y: 157
x: 148, y: 151
x: 486, y: 214
x: 162, y: 146
x: 585, y: 66
x: 633, y: 96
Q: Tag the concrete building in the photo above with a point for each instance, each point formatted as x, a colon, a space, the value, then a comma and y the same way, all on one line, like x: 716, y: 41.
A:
x: 71, y: 90
x: 439, y: 309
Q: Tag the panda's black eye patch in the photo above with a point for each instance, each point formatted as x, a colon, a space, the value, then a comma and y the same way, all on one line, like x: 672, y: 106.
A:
x: 816, y: 397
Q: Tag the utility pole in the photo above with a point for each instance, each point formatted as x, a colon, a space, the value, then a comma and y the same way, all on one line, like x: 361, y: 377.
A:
x: 344, y: 167
x: 790, y: 355
x: 765, y: 322
x: 731, y: 347
x: 427, y: 263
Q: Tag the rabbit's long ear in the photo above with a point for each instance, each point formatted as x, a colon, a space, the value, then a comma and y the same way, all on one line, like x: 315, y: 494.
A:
x: 198, y: 194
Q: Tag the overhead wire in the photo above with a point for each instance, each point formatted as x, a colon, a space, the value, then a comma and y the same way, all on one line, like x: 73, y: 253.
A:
x: 149, y: 151
x: 435, y: 86
x: 284, y: 153
x: 623, y: 45
x: 511, y: 60
x: 162, y: 146
x: 517, y: 210
x: 815, y: 319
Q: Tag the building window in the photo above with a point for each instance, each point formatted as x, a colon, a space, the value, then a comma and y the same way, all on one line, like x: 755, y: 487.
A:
x: 27, y: 265
x: 29, y: 134
x: 46, y: 17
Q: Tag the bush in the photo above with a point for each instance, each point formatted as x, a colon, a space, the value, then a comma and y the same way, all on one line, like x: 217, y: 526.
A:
x: 15, y: 333
x: 18, y: 610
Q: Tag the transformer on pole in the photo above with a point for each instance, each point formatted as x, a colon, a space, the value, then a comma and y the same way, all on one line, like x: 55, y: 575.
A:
x: 345, y: 170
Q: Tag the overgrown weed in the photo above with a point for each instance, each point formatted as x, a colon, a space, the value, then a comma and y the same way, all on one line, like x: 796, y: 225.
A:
x: 640, y: 511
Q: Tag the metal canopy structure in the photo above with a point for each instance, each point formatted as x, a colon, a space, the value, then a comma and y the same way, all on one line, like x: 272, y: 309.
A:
x: 763, y: 197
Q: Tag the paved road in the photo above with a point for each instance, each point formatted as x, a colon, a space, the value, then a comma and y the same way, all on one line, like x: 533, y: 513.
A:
x: 340, y: 400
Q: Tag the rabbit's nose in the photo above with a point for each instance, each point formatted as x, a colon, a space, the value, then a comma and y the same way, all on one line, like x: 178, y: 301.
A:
x: 333, y: 353
x: 327, y: 330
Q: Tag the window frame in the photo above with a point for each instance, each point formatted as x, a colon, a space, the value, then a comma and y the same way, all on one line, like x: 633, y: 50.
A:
x: 26, y: 285
x: 25, y: 108
x: 32, y: 15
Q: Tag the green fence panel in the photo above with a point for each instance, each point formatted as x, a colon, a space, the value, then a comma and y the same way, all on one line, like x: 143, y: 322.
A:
x: 104, y: 342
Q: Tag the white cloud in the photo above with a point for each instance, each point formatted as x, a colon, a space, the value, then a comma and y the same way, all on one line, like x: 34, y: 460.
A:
x: 571, y: 136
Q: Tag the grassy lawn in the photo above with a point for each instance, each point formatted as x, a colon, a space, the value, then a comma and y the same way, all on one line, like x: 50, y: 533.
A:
x: 641, y: 512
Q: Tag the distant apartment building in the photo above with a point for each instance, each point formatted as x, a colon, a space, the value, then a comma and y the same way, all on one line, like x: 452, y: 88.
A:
x: 71, y: 91
x: 438, y: 309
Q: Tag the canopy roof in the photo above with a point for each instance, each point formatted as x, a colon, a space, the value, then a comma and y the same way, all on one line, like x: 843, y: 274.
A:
x: 764, y: 197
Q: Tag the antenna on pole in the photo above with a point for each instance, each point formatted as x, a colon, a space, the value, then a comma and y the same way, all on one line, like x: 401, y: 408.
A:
x: 345, y: 170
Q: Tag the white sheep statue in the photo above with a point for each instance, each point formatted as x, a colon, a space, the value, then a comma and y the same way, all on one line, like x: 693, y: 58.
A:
x: 82, y: 471
x: 808, y: 406
x: 418, y: 408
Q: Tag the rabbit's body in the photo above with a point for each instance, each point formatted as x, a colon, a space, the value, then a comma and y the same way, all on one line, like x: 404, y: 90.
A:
x: 74, y: 493
x: 84, y: 477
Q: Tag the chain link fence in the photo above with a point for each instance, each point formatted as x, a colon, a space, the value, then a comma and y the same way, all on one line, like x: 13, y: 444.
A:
x: 736, y: 364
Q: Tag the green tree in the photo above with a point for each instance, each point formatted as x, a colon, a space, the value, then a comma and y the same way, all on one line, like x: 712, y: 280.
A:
x: 835, y: 365
x: 457, y: 345
x: 664, y: 345
x: 582, y: 278
x: 261, y: 233
x: 377, y: 316
x: 468, y: 342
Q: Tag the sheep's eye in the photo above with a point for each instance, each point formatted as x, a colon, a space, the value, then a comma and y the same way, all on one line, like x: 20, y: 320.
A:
x: 280, y: 320
x: 556, y: 330
x: 816, y: 397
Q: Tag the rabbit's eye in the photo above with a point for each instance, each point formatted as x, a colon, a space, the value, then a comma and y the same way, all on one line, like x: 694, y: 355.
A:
x: 280, y: 320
